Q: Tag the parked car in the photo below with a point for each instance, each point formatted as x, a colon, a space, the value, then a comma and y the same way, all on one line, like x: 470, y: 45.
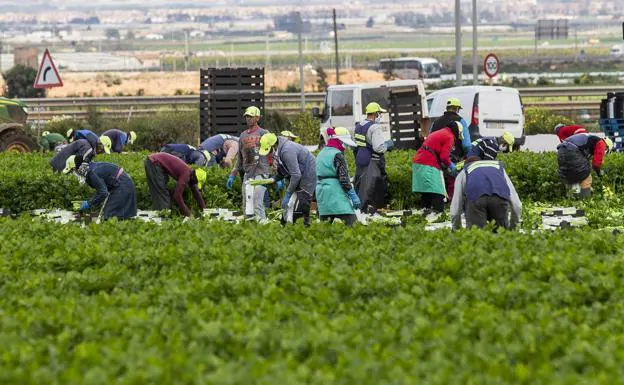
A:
x: 489, y: 111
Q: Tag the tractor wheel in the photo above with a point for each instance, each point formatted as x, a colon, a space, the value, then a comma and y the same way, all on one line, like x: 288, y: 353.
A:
x: 17, y: 141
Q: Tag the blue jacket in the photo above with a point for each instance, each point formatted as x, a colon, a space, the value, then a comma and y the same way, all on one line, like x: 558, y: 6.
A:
x: 118, y: 138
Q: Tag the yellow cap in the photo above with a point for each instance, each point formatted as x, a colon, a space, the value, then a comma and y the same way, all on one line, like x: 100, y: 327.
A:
x: 201, y: 177
x: 45, y: 133
x: 509, y: 139
x: 344, y: 136
x: 70, y: 164
x: 266, y: 142
x: 453, y: 102
x: 288, y: 134
x: 106, y: 143
x: 69, y: 134
x: 609, y: 144
x: 373, y: 107
x: 252, y: 111
x: 132, y: 137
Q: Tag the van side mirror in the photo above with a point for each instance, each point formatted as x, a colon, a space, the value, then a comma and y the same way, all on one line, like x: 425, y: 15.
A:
x: 316, y: 112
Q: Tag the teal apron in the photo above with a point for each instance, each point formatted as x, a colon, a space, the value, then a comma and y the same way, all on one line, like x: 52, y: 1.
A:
x: 330, y: 196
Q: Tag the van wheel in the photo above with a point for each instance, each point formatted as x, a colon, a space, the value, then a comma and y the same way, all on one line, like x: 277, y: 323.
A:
x: 516, y: 147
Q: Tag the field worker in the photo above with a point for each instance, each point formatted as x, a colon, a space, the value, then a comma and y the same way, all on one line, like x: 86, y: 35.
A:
x: 430, y: 163
x: 250, y: 164
x: 484, y: 191
x: 335, y: 196
x: 90, y: 136
x: 223, y: 148
x: 114, y: 189
x: 573, y: 157
x: 295, y: 162
x: 563, y: 132
x: 80, y: 147
x: 189, y: 154
x: 159, y: 167
x: 118, y: 140
x: 488, y: 147
x: 463, y: 145
x: 371, y: 180
x: 50, y: 140
x: 290, y: 136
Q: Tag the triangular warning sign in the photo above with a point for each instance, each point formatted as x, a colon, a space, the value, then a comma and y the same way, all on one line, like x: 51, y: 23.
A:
x: 48, y: 76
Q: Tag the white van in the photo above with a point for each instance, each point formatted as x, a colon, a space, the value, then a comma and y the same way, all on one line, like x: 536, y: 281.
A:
x: 489, y: 111
x: 617, y: 51
x: 345, y: 104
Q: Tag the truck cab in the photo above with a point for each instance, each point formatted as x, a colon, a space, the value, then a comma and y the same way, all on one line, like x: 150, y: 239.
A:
x: 345, y: 104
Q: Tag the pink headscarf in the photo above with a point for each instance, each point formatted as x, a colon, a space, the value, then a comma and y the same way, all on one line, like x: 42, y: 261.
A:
x: 333, y: 142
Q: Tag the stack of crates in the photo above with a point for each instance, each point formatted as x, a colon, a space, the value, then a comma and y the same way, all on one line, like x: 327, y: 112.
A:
x: 225, y: 93
x: 612, y: 118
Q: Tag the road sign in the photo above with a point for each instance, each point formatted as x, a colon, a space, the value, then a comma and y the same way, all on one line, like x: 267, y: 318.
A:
x: 48, y: 76
x: 491, y: 65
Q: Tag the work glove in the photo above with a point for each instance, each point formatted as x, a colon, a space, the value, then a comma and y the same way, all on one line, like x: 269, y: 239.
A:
x: 286, y: 200
x: 354, y: 199
x: 280, y: 185
x: 84, y: 206
x: 453, y: 169
x: 389, y: 144
x: 459, y: 166
x: 230, y: 182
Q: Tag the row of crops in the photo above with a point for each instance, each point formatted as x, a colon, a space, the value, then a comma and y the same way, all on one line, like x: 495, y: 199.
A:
x: 201, y: 302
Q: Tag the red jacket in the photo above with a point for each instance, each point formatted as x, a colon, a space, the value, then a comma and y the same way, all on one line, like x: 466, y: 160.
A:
x: 181, y: 172
x: 600, y: 149
x: 567, y: 131
x: 441, y: 142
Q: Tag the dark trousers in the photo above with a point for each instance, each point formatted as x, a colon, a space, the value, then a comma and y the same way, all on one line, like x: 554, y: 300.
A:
x: 302, y: 208
x: 432, y: 201
x: 485, y: 209
x: 157, y: 180
x: 348, y: 219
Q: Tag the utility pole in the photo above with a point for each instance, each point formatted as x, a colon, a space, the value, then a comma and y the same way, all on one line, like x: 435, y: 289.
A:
x: 475, y: 59
x: 336, y: 48
x: 186, y: 50
x: 458, y: 47
x: 301, y: 81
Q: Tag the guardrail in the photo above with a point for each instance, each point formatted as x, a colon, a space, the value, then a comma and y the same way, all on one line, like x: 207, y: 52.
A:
x: 131, y: 106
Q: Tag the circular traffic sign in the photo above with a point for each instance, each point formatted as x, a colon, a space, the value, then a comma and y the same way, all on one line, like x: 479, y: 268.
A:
x: 491, y: 65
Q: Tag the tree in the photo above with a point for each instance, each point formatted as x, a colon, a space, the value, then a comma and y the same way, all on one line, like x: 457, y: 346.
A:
x: 321, y: 82
x: 112, y: 34
x: 370, y: 23
x: 19, y: 82
x: 130, y: 35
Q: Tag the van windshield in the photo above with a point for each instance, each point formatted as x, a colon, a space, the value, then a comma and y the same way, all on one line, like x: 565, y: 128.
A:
x: 342, y: 103
x: 379, y: 95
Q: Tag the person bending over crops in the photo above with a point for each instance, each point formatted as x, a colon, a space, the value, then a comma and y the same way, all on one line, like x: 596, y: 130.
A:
x: 80, y: 147
x: 488, y: 147
x: 252, y: 165
x: 117, y: 140
x: 189, y: 154
x: 429, y: 165
x: 159, y: 167
x: 224, y: 149
x: 295, y: 162
x: 563, y: 132
x: 484, y: 192
x: 89, y: 136
x: 114, y: 189
x: 335, y: 195
x: 50, y: 140
x: 573, y: 157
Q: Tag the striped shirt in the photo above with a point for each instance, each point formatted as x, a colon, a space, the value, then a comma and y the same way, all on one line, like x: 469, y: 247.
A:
x: 485, y: 148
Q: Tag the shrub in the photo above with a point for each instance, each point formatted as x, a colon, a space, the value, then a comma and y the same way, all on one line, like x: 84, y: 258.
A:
x: 541, y: 121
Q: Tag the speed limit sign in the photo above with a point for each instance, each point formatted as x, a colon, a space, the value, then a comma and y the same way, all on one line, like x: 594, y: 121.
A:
x: 491, y: 65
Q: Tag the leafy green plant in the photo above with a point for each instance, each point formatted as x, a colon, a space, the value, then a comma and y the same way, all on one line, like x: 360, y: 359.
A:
x: 541, y: 121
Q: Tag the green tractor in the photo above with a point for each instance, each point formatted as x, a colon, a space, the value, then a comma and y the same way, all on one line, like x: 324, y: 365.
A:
x: 13, y: 129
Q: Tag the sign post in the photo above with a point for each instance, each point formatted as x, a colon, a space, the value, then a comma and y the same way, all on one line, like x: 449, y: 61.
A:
x: 491, y: 66
x: 47, y: 77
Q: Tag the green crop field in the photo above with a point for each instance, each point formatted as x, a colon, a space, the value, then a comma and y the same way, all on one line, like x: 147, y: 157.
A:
x: 205, y: 302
